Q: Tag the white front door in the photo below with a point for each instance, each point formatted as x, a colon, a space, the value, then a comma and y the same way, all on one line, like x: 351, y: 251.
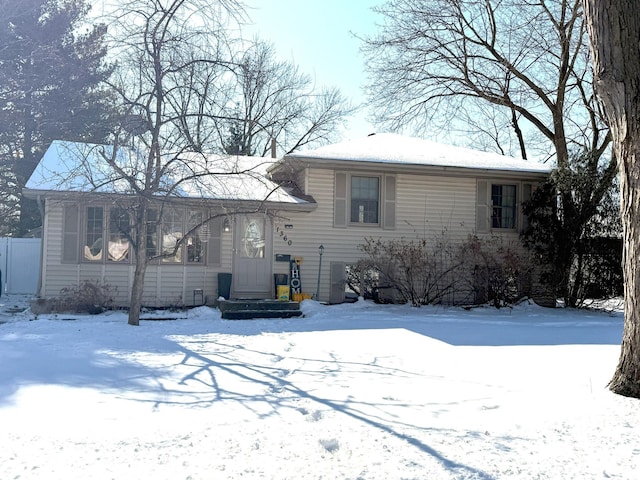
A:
x: 252, y: 256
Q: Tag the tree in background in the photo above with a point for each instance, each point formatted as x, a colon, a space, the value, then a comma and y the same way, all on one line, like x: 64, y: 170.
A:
x: 527, y: 61
x: 614, y: 30
x: 272, y: 100
x: 51, y: 69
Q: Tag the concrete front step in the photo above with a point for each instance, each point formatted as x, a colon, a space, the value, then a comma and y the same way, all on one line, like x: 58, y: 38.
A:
x: 247, y: 309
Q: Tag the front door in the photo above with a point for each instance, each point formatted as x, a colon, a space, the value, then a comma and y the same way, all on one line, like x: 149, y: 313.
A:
x: 252, y: 256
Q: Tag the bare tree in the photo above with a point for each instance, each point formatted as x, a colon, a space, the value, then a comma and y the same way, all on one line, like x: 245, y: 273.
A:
x: 434, y: 58
x: 614, y: 29
x: 528, y: 58
x: 272, y: 99
x: 172, y: 53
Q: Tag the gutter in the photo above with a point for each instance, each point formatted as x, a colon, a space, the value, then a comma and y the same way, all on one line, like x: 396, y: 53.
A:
x: 411, y: 168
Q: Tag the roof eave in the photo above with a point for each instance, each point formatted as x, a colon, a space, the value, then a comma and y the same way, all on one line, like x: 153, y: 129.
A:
x: 303, y: 206
x: 300, y: 162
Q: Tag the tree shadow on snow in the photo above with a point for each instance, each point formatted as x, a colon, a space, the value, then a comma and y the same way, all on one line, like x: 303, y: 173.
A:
x: 255, y: 380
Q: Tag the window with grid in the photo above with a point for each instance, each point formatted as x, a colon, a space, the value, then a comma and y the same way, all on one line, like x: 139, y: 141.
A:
x: 152, y: 233
x: 119, y: 231
x: 172, y: 232
x: 94, y: 242
x: 365, y: 199
x: 503, y: 205
x: 196, y: 239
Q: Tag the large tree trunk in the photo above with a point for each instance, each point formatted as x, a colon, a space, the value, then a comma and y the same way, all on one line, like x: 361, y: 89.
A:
x: 137, y: 288
x: 614, y: 29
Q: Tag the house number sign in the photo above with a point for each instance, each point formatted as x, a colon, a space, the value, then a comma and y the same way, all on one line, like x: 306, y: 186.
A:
x: 281, y: 232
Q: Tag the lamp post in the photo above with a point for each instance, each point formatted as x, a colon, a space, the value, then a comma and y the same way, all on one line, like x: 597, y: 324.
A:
x: 320, y: 252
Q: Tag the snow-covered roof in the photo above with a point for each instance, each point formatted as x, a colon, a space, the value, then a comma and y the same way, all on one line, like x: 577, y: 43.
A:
x: 399, y: 149
x: 82, y: 167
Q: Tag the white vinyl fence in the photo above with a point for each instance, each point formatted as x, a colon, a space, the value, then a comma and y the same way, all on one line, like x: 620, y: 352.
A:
x: 19, y: 265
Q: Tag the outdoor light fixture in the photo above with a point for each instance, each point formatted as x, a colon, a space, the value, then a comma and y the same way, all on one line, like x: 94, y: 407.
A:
x: 226, y: 225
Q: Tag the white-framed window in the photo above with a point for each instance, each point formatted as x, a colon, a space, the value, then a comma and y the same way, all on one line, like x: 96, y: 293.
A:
x: 364, y: 200
x: 197, y: 236
x: 183, y: 237
x: 94, y: 234
x: 503, y: 206
x: 152, y: 233
x: 106, y: 234
x: 119, y: 247
x: 102, y: 234
x: 171, y: 231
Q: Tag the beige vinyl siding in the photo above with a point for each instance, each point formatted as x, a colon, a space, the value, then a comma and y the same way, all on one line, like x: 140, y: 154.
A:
x: 56, y: 275
x: 428, y: 205
x: 152, y: 284
x: 121, y: 277
x: 165, y: 285
x: 424, y: 206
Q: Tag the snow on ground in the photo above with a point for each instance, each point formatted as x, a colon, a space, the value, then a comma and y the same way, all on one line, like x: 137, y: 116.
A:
x: 357, y: 391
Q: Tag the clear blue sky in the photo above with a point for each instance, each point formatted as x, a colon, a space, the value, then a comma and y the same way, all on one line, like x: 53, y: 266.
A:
x: 318, y: 37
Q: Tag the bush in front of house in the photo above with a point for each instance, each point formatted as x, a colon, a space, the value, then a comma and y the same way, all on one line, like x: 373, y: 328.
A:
x: 422, y: 272
x: 498, y: 271
x: 417, y: 271
x: 87, y: 297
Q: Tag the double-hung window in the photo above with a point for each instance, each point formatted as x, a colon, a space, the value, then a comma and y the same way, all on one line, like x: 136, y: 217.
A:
x: 184, y: 237
x: 119, y: 231
x: 172, y: 230
x: 365, y: 200
x: 196, y: 233
x: 107, y: 233
x: 503, y: 206
x: 94, y: 234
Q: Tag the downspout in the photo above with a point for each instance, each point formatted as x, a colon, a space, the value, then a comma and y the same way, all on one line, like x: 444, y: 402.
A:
x: 6, y: 270
x: 42, y: 235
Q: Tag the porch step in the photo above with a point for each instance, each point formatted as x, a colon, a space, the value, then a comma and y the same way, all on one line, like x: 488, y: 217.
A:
x: 247, y: 309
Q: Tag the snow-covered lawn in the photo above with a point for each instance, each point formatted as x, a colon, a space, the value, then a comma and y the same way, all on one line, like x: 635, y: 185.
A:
x: 358, y: 391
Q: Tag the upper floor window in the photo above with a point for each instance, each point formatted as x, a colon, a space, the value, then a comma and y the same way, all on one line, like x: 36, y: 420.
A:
x: 503, y: 206
x: 365, y: 199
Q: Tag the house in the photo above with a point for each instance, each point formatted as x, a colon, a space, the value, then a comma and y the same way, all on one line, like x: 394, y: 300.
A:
x: 272, y: 219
